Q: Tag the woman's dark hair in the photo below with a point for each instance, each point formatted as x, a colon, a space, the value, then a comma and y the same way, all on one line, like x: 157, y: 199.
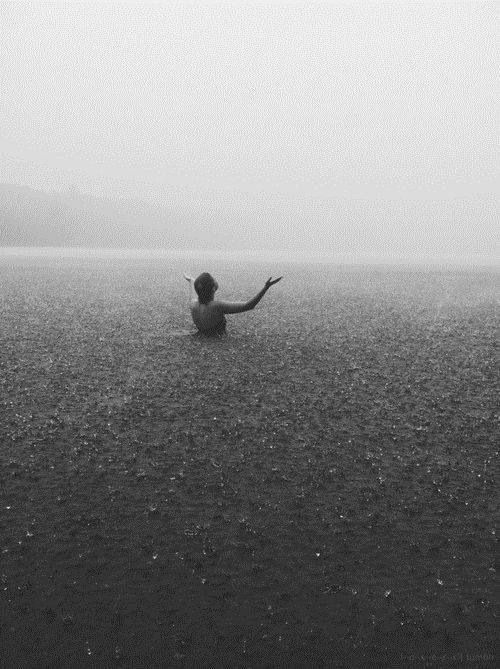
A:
x: 204, y: 287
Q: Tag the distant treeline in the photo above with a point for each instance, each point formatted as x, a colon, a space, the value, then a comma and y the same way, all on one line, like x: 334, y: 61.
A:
x: 464, y: 226
x: 35, y: 218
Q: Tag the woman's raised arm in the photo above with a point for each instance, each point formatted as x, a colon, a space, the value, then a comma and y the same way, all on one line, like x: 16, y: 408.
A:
x: 239, y: 307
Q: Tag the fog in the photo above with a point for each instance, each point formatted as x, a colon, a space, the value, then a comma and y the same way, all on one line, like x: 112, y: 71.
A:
x: 333, y: 127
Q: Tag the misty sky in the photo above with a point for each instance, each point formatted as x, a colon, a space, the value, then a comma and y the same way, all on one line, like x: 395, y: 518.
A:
x: 280, y: 106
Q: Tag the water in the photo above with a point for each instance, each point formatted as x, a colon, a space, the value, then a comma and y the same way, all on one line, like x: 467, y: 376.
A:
x: 350, y: 419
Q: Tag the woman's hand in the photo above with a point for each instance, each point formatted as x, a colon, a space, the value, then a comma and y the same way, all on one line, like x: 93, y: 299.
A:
x: 270, y: 282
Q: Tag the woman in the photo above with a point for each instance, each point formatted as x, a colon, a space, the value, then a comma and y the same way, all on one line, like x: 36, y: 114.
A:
x: 209, y: 314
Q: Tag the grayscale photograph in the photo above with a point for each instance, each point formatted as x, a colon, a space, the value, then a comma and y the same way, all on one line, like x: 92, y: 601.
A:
x: 249, y: 317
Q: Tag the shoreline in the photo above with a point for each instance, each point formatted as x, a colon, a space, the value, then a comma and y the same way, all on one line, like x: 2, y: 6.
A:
x: 77, y: 252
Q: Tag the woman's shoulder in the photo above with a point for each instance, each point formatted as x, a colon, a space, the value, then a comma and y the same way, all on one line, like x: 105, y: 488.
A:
x: 214, y: 305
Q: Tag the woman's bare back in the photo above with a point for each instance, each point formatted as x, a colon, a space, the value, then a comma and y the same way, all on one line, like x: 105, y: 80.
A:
x: 208, y: 318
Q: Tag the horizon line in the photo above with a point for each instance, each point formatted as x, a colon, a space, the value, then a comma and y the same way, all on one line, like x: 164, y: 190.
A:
x: 279, y: 255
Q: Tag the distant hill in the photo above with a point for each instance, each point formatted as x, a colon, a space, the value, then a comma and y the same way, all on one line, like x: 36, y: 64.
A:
x: 465, y: 226
x: 31, y: 217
